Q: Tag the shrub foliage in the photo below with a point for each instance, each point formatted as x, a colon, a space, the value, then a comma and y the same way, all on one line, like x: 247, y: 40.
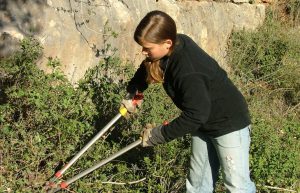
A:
x: 44, y: 120
x: 266, y: 63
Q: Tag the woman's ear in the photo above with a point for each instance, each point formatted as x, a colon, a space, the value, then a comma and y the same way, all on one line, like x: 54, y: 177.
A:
x: 168, y: 43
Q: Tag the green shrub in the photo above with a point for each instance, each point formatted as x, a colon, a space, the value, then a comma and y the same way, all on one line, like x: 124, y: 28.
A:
x: 107, y: 82
x: 45, y: 121
x: 274, y: 151
x: 266, y: 64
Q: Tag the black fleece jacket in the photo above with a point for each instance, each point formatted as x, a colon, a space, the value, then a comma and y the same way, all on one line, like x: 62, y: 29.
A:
x: 200, y: 88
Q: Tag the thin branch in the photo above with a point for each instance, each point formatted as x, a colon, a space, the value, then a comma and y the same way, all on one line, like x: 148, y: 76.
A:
x: 74, y: 18
x: 83, y: 20
x: 101, y: 32
x: 295, y: 107
x: 280, y: 189
x: 123, y: 183
x: 70, y: 190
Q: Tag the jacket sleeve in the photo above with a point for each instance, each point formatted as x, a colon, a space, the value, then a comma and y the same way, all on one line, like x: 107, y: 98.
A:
x: 196, y: 104
x: 138, y: 82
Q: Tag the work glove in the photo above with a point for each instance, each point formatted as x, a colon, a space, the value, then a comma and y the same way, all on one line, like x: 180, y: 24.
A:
x: 151, y: 135
x: 132, y: 102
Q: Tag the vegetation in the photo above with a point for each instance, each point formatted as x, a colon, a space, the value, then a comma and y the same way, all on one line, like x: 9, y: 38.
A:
x: 44, y: 120
x: 266, y: 64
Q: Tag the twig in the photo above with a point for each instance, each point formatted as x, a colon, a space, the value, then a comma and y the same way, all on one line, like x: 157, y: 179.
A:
x: 123, y: 183
x: 158, y: 176
x: 70, y: 190
x: 281, y: 189
x: 101, y: 32
x: 83, y: 20
x: 292, y: 109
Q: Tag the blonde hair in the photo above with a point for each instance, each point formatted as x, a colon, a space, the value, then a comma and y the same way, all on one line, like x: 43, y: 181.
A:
x: 154, y: 72
x: 155, y: 27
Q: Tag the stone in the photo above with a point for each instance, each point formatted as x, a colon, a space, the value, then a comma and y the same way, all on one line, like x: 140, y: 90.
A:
x: 79, y: 32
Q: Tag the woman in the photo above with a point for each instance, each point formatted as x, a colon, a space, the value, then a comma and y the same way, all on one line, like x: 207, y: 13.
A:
x: 214, y: 112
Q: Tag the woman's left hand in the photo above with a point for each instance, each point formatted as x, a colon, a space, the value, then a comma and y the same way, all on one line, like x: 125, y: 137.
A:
x: 151, y: 135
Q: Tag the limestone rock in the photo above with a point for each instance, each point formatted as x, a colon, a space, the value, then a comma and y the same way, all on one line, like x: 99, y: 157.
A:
x: 80, y: 33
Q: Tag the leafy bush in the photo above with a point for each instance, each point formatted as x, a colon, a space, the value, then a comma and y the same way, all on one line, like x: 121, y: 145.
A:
x: 45, y: 121
x: 288, y: 11
x: 162, y: 167
x: 275, y: 161
x: 266, y: 63
x: 269, y: 55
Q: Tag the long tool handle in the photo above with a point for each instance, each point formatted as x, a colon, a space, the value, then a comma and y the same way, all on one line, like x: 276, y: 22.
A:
x: 95, y: 138
x: 65, y: 184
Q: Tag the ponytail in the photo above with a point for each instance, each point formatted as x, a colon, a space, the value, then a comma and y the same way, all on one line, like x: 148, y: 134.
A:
x: 154, y: 71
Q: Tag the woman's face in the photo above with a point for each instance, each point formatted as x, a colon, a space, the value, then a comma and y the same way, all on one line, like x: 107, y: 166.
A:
x: 155, y: 51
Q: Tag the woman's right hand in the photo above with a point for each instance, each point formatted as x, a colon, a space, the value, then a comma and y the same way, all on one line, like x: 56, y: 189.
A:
x: 132, y: 102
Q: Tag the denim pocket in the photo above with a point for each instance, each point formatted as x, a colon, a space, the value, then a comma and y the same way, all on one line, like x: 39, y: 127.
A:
x: 232, y: 139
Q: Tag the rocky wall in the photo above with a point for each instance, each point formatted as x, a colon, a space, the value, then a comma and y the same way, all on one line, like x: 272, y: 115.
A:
x: 81, y: 32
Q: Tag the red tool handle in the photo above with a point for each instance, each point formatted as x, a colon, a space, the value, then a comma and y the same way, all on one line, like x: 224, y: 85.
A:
x: 166, y: 122
x: 139, y: 96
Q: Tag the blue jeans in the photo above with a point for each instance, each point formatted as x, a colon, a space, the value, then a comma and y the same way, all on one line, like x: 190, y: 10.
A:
x: 231, y: 152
